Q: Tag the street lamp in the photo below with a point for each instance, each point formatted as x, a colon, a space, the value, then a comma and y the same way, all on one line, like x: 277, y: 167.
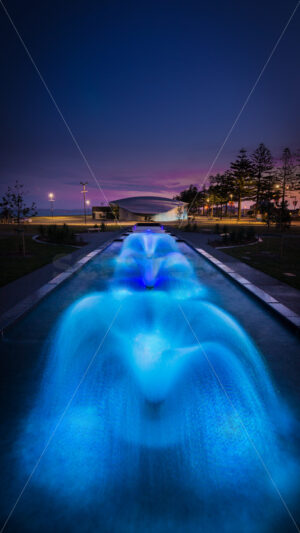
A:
x: 84, y: 191
x: 51, y: 200
x: 88, y: 203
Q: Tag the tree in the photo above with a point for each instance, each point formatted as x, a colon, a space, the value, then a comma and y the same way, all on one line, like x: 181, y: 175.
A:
x: 202, y: 199
x: 199, y: 202
x: 286, y: 176
x: 180, y: 212
x: 191, y: 197
x: 222, y: 187
x: 262, y: 163
x: 287, y: 179
x: 214, y: 193
x: 13, y: 204
x: 242, y: 179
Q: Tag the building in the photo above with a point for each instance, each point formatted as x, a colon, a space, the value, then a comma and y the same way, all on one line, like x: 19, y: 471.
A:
x: 102, y: 213
x: 150, y: 208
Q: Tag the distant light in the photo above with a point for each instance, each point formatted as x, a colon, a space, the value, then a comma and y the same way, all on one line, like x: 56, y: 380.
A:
x: 87, y: 202
x: 51, y: 195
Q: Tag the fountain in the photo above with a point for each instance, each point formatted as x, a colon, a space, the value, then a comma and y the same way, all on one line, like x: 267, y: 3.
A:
x: 174, y: 380
x: 152, y: 260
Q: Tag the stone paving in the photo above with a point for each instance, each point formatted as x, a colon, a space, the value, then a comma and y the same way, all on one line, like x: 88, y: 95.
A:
x: 281, y: 292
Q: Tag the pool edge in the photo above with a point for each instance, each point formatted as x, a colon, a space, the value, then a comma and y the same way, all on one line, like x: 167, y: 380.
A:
x: 290, y: 317
x: 24, y: 306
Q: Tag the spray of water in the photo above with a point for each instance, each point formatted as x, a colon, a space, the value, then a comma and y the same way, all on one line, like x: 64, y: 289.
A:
x: 150, y: 414
x: 153, y: 261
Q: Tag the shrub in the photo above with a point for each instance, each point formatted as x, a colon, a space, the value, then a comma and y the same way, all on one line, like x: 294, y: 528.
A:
x: 280, y: 215
x: 103, y: 227
x: 283, y: 218
x: 217, y: 229
x: 59, y: 234
x: 195, y: 227
x: 225, y: 228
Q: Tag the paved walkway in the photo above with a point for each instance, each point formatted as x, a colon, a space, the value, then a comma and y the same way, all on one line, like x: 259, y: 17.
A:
x: 17, y: 290
x: 281, y: 291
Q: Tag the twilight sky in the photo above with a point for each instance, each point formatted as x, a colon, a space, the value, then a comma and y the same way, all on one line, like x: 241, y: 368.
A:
x: 149, y: 89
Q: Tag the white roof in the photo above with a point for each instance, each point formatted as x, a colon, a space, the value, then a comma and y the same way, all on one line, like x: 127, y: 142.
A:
x: 147, y: 205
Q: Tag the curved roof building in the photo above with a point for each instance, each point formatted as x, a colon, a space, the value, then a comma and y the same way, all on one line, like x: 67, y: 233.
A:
x: 150, y: 208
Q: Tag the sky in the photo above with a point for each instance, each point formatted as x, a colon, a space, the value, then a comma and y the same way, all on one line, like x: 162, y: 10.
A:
x: 149, y: 90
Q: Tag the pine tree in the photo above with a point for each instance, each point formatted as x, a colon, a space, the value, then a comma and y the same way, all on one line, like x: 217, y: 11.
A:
x: 242, y: 179
x: 262, y: 163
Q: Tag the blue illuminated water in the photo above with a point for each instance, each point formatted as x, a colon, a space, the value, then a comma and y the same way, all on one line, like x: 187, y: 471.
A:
x: 161, y: 412
x: 152, y: 260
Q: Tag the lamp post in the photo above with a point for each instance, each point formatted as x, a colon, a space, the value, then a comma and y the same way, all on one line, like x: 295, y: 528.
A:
x: 51, y: 200
x: 84, y: 191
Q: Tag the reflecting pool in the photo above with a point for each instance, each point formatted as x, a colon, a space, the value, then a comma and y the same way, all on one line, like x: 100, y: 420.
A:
x: 155, y: 411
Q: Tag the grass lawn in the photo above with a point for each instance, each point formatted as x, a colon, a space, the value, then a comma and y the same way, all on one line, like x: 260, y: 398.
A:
x: 276, y: 256
x: 13, y: 264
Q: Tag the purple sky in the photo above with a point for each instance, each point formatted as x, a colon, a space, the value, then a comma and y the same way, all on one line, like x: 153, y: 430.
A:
x: 149, y: 90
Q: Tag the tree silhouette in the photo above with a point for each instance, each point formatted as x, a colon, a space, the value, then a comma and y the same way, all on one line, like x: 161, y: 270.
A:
x: 242, y: 179
x: 13, y: 204
x: 262, y: 163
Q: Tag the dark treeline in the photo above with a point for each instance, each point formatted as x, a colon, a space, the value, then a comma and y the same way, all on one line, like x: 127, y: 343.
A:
x: 253, y: 177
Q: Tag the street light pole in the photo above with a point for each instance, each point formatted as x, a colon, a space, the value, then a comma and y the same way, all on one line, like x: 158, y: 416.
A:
x: 84, y: 191
x: 51, y: 199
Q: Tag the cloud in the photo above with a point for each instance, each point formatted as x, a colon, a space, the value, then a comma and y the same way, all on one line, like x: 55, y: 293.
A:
x: 129, y: 183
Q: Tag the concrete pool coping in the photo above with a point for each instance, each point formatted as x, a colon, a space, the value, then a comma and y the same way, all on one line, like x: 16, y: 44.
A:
x: 26, y: 304
x: 289, y: 316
